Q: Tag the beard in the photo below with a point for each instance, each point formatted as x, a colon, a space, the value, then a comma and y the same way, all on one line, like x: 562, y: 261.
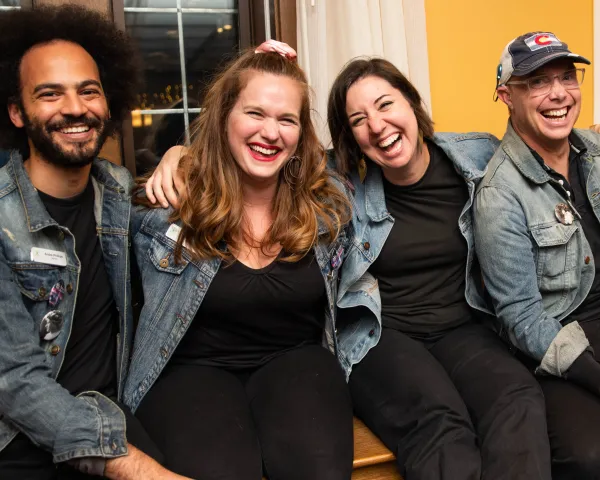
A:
x: 79, y: 154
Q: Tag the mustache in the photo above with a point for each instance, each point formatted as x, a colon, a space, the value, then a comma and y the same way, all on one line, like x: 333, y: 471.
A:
x: 90, y: 122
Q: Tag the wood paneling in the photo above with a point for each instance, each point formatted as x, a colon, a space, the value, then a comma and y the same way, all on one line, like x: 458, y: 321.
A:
x: 285, y: 22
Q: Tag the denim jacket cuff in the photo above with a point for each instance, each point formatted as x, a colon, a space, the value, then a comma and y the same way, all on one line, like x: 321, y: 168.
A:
x: 109, y: 439
x: 569, y: 343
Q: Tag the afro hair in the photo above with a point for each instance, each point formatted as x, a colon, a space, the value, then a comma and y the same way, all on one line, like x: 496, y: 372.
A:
x: 113, y: 51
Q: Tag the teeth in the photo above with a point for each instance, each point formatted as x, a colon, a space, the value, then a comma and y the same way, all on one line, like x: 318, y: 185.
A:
x: 75, y: 130
x: 264, y: 151
x: 389, y: 140
x: 556, y: 113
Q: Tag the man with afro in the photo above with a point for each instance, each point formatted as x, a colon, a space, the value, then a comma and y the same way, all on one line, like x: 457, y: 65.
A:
x: 67, y: 78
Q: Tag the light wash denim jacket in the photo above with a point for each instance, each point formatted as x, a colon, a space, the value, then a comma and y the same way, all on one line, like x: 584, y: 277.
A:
x: 533, y: 265
x: 31, y: 401
x: 173, y: 293
x: 359, y: 329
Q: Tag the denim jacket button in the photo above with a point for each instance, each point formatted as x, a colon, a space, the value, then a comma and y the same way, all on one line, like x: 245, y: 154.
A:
x: 69, y: 288
x: 55, y: 350
x: 587, y: 260
x: 42, y: 292
x: 371, y: 333
x: 367, y: 245
x: 163, y: 352
x: 164, y: 263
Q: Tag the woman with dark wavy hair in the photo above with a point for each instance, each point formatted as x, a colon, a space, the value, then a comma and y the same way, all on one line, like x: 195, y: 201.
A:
x: 228, y: 373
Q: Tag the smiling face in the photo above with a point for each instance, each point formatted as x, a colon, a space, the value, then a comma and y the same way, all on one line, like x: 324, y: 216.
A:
x: 547, y: 119
x: 63, y: 107
x: 383, y: 122
x: 263, y: 128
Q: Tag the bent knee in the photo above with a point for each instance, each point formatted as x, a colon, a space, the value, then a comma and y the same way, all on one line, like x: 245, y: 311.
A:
x: 581, y: 462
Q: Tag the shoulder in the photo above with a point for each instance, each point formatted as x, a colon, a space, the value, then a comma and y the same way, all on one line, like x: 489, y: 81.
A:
x: 150, y: 221
x: 470, y: 151
x: 7, y: 182
x: 117, y: 173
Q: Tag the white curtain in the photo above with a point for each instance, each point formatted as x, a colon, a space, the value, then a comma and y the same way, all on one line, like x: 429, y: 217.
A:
x: 331, y: 32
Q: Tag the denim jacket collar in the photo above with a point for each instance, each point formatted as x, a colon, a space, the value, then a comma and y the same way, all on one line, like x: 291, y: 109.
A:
x: 375, y: 195
x: 518, y: 151
x: 37, y: 215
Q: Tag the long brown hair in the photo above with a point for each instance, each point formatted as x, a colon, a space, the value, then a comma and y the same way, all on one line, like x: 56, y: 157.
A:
x: 211, y: 206
x: 347, y: 151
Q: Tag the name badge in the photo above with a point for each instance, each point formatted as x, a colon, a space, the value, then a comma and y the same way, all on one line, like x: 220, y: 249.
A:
x: 173, y: 233
x: 49, y: 257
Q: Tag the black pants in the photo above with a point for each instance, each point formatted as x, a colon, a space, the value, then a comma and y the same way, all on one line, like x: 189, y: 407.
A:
x: 574, y: 422
x: 293, y: 414
x: 22, y: 460
x: 459, y: 407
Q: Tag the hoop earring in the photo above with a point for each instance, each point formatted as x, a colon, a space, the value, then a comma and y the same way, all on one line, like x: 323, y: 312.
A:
x: 292, y: 170
x: 362, y: 169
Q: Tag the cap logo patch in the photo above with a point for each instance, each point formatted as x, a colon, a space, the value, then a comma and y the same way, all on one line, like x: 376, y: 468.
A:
x: 541, y: 40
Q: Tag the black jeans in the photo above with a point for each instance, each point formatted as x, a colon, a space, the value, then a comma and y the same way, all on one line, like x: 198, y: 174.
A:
x: 294, y: 415
x: 459, y: 407
x: 573, y: 421
x: 22, y: 460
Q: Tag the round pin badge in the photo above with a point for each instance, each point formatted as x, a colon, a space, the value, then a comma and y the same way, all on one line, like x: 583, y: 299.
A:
x: 51, y: 325
x: 564, y: 214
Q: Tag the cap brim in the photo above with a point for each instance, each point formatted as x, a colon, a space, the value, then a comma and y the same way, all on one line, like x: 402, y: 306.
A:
x: 536, y: 61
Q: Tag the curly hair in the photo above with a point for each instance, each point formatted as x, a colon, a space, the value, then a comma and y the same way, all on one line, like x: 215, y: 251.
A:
x: 211, y: 205
x: 347, y: 151
x: 112, y: 50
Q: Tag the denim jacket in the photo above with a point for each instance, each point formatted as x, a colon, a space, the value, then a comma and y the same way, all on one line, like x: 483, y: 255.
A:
x: 31, y: 401
x: 173, y: 293
x: 359, y: 329
x: 533, y: 265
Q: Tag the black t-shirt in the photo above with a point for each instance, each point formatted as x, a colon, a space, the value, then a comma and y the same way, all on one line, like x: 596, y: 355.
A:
x: 576, y: 188
x: 91, y: 354
x: 422, y: 265
x: 249, y: 316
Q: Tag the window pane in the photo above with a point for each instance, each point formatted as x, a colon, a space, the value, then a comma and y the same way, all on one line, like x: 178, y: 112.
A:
x: 10, y: 3
x: 157, y: 38
x: 153, y: 135
x: 210, y: 40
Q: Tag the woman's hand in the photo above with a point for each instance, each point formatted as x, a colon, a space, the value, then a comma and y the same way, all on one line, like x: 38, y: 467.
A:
x: 166, y: 182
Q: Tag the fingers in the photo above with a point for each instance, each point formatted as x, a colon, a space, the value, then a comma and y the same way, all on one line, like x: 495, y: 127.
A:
x: 281, y: 48
x: 595, y: 128
x: 148, y: 187
x: 161, y: 186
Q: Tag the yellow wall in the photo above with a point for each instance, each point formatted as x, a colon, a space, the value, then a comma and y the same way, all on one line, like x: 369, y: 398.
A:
x: 465, y: 39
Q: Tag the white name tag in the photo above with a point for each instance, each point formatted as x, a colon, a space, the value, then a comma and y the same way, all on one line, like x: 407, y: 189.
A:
x: 49, y: 257
x: 173, y: 233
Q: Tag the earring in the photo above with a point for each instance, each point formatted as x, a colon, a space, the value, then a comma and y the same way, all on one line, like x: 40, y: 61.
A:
x: 292, y: 170
x: 362, y: 169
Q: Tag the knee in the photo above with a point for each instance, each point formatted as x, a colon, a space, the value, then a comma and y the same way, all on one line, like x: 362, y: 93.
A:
x: 581, y: 462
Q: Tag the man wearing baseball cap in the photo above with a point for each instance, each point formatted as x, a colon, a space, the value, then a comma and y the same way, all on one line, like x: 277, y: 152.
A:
x: 537, y: 233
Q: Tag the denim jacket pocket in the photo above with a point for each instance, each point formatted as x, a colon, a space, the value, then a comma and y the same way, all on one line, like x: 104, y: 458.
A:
x: 556, y: 256
x: 162, y: 257
x: 35, y: 280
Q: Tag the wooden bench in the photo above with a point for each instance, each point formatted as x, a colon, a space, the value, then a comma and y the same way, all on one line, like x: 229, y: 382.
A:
x: 372, y: 460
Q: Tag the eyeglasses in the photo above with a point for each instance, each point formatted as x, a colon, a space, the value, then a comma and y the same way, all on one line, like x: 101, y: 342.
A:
x: 542, y: 84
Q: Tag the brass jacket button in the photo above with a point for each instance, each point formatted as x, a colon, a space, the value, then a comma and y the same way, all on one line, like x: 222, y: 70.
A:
x: 164, y: 263
x: 55, y: 350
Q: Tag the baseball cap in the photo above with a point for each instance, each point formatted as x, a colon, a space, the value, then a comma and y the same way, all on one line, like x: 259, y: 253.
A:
x: 529, y: 52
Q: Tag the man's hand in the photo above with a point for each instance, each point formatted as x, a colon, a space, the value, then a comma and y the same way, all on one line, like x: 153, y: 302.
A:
x: 136, y: 465
x: 281, y: 48
x: 166, y: 181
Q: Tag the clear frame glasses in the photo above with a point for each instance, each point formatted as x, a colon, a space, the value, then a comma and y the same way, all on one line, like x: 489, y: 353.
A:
x: 542, y: 84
